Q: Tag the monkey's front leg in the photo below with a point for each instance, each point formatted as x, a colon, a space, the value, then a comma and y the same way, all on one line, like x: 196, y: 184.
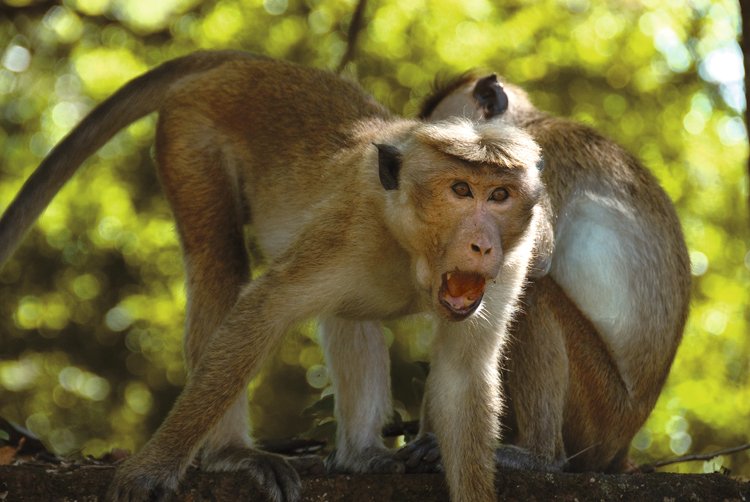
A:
x: 537, y: 378
x: 253, y: 328
x: 359, y: 365
x: 463, y: 400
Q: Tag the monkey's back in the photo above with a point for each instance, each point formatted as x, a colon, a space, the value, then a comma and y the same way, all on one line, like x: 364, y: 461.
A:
x: 609, y: 188
x: 287, y: 135
x: 621, y: 256
x: 270, y: 101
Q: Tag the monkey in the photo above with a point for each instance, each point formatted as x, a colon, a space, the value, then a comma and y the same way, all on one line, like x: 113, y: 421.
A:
x: 360, y: 215
x: 603, y: 310
x: 592, y: 346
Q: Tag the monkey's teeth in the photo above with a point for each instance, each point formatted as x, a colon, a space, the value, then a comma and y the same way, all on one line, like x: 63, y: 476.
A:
x: 448, y: 277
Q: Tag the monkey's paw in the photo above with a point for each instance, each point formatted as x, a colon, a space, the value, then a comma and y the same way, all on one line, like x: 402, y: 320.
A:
x: 370, y: 460
x: 273, y: 473
x: 308, y: 465
x: 421, y: 455
x: 138, y: 481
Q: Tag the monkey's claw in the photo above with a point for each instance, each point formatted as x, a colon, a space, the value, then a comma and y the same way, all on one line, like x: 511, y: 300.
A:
x: 421, y: 455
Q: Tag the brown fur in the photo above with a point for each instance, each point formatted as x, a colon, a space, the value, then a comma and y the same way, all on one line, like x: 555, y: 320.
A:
x: 597, y: 338
x: 244, y: 139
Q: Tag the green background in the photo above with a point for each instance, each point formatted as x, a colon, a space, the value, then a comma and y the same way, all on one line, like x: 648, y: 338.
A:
x: 92, y: 305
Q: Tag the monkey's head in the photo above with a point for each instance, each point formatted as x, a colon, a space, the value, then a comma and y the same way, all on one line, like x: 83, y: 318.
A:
x: 477, y: 98
x: 461, y: 199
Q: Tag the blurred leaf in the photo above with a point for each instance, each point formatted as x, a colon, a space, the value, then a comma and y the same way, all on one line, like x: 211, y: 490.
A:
x: 321, y: 408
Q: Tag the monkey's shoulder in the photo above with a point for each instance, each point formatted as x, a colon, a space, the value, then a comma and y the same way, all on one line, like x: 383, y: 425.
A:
x: 579, y: 149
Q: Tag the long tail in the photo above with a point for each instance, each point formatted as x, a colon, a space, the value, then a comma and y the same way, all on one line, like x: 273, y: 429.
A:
x: 137, y: 98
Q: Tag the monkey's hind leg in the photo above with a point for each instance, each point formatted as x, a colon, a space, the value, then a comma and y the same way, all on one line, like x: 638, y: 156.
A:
x: 537, y: 376
x: 359, y: 363
x: 208, y: 212
x: 232, y: 356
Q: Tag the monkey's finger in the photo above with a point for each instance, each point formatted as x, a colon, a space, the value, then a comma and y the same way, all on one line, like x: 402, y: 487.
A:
x: 409, y: 449
x: 386, y: 464
x: 139, y: 490
x: 288, y: 482
x: 432, y: 456
x: 422, y: 455
x: 278, y: 479
x: 411, y: 454
x: 275, y: 477
x: 308, y: 465
x: 331, y: 465
x: 264, y: 477
x: 132, y: 483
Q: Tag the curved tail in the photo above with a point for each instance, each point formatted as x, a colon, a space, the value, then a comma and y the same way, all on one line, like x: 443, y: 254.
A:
x: 137, y: 98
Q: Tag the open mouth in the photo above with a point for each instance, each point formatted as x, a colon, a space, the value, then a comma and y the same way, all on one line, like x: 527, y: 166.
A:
x: 461, y: 293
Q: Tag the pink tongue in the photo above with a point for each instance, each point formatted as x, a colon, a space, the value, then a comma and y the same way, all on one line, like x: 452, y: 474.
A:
x: 462, y: 289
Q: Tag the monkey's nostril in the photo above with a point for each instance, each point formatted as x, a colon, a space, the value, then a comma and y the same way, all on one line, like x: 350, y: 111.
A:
x: 482, y: 251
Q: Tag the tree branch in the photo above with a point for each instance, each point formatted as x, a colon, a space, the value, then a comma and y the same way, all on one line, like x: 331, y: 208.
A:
x: 29, y: 482
x: 693, y: 457
x: 745, y: 45
x: 354, y: 28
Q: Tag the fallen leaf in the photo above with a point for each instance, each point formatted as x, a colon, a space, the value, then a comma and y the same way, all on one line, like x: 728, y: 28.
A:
x: 7, y: 454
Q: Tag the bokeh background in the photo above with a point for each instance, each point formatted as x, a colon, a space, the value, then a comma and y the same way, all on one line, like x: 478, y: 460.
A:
x: 92, y: 305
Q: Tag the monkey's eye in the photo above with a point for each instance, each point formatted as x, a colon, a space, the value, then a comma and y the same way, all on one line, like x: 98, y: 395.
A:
x: 499, y: 194
x: 462, y: 189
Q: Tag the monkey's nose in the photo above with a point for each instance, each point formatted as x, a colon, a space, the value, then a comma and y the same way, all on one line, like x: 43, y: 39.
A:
x: 481, y: 250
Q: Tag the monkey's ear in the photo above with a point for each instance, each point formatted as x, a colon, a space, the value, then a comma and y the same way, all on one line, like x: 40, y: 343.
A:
x: 490, y: 96
x: 540, y: 164
x: 389, y: 164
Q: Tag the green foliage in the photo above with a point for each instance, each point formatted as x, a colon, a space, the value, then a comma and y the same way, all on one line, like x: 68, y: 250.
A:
x: 92, y: 305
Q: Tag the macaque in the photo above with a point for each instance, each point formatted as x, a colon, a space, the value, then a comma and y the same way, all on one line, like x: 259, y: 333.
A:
x: 592, y: 346
x: 360, y: 215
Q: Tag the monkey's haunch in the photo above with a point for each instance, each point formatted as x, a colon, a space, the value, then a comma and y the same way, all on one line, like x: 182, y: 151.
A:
x: 462, y: 292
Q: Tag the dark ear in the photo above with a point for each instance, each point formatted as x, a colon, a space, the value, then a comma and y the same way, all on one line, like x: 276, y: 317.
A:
x: 490, y: 96
x: 540, y: 164
x: 389, y: 164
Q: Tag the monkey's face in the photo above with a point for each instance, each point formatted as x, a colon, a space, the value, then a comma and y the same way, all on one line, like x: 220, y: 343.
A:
x: 460, y: 218
x: 469, y: 217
